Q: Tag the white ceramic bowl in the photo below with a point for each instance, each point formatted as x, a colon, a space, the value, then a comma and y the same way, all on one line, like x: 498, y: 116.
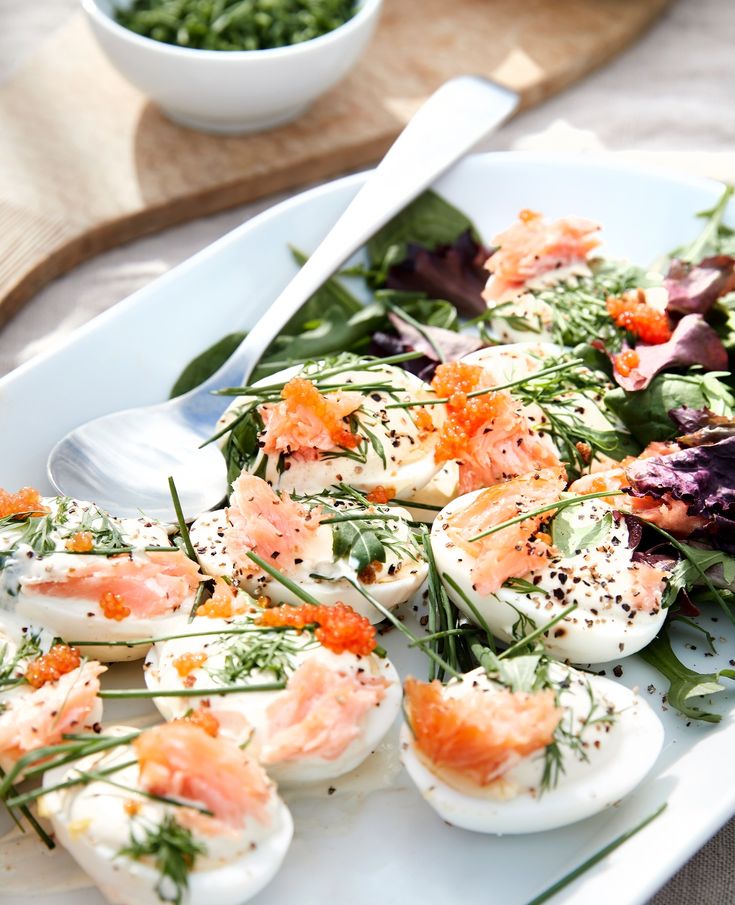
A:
x: 232, y: 91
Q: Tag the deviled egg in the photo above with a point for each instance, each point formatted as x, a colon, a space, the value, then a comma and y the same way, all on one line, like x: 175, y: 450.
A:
x: 335, y: 421
x: 493, y: 758
x: 536, y: 568
x: 325, y: 544
x: 334, y: 698
x: 90, y: 577
x: 176, y: 815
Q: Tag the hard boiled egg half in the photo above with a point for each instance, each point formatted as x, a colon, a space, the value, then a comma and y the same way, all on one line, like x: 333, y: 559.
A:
x: 89, y: 577
x: 494, y: 759
x: 529, y: 572
x: 324, y: 712
x: 335, y: 421
x: 214, y: 830
x: 329, y: 545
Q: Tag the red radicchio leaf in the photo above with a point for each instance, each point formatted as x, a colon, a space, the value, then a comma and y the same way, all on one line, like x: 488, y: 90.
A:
x: 693, y: 342
x: 453, y: 272
x: 693, y: 289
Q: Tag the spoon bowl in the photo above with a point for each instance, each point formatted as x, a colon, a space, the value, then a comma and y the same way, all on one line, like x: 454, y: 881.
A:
x: 122, y: 461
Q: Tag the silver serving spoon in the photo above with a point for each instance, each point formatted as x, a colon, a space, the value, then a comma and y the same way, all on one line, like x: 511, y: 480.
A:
x: 122, y: 461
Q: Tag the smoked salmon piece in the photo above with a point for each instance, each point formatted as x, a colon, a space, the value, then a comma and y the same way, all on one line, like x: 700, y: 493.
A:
x: 479, y: 734
x: 272, y: 525
x: 306, y: 422
x: 182, y: 759
x: 42, y: 716
x: 152, y: 586
x: 518, y: 549
x: 320, y: 713
x: 534, y: 246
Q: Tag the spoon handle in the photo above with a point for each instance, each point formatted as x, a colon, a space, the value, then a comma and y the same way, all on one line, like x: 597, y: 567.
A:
x: 451, y: 122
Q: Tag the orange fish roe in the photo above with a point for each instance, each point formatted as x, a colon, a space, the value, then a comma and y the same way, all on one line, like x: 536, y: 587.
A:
x: 626, y: 361
x: 465, y: 416
x: 80, y: 542
x: 632, y: 312
x: 479, y: 735
x: 132, y: 807
x: 187, y: 663
x: 381, y: 495
x: 113, y: 606
x: 423, y: 419
x: 221, y: 604
x: 27, y: 501
x: 204, y: 719
x: 340, y: 627
x: 50, y: 667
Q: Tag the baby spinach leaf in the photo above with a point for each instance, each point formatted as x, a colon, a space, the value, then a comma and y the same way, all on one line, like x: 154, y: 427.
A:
x: 646, y: 412
x: 428, y: 221
x: 204, y: 365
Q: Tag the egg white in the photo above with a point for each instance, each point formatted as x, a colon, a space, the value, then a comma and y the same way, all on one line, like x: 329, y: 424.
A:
x: 91, y: 823
x: 397, y: 579
x: 409, y: 454
x: 618, y: 759
x: 160, y: 673
x: 76, y: 618
x: 604, y: 627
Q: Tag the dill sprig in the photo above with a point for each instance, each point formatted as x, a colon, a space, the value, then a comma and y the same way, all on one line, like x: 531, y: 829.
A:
x: 262, y: 652
x: 174, y: 851
x: 28, y: 649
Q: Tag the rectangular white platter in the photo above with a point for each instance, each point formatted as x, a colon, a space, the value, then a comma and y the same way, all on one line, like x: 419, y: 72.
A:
x: 374, y: 839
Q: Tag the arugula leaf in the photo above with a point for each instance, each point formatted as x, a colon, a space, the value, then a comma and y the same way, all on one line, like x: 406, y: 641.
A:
x: 684, y: 683
x: 571, y: 535
x: 427, y: 221
x: 646, y: 412
x: 366, y: 549
x: 688, y: 572
x: 519, y: 673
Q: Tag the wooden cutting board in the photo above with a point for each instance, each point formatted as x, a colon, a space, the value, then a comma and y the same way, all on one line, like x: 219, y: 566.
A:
x: 86, y: 162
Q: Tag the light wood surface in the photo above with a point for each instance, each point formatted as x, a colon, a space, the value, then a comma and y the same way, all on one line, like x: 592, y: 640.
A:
x: 86, y: 162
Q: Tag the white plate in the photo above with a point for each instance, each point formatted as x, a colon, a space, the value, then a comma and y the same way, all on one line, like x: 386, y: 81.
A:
x: 374, y: 839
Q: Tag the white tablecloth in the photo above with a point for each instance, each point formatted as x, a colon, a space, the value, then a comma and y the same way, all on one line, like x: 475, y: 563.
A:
x: 672, y: 91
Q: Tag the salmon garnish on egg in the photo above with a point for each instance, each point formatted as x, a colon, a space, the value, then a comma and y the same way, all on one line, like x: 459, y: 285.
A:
x: 272, y: 525
x: 667, y: 513
x: 35, y: 718
x: 488, y: 435
x: 479, y: 734
x: 518, y: 549
x: 533, y: 246
x: 182, y: 759
x: 321, y: 712
x: 153, y: 584
x: 306, y: 422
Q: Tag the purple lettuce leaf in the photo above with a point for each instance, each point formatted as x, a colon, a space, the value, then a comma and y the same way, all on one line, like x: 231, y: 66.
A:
x: 693, y: 289
x: 703, y: 477
x: 436, y: 344
x: 693, y: 342
x: 453, y: 272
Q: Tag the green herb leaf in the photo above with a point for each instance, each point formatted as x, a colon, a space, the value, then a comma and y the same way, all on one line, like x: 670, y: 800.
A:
x: 571, y: 535
x: 684, y: 683
x: 203, y: 366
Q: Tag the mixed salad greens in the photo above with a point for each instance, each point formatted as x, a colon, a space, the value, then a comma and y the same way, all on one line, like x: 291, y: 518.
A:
x: 425, y: 274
